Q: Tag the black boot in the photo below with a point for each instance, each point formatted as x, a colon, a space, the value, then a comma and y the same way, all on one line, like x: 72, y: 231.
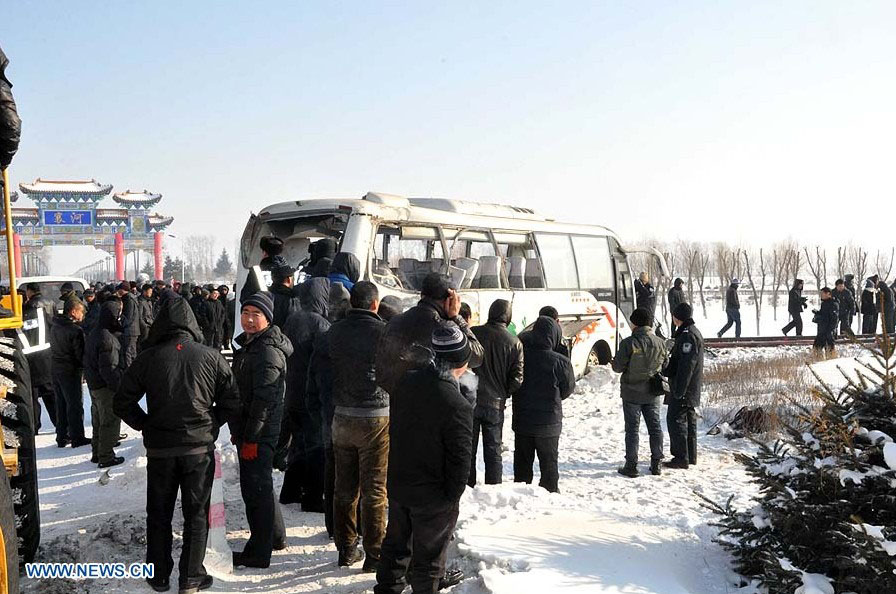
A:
x: 204, y: 584
x: 350, y: 556
x: 452, y: 578
x: 656, y: 468
x: 630, y: 470
x: 680, y: 463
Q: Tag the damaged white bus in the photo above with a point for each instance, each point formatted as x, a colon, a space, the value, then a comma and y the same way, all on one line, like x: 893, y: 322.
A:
x: 490, y: 251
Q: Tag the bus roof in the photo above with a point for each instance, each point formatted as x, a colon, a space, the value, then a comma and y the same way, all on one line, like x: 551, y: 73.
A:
x: 431, y: 210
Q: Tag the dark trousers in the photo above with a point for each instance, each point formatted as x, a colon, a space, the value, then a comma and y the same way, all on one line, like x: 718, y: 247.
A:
x: 70, y: 407
x: 869, y: 323
x: 329, y: 486
x: 361, y: 449
x: 262, y: 511
x: 796, y: 321
x: 106, y: 425
x: 490, y: 423
x: 890, y: 321
x: 43, y: 392
x: 846, y: 325
x: 681, y: 421
x: 416, y: 546
x: 547, y: 448
x: 193, y: 476
x: 632, y: 412
x: 824, y: 341
x: 733, y: 320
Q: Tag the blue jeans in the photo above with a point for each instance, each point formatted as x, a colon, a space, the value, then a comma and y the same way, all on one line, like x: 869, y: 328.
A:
x: 733, y: 319
x: 632, y: 413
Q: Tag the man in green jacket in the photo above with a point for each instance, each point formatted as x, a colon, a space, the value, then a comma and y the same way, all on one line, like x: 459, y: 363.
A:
x: 640, y: 359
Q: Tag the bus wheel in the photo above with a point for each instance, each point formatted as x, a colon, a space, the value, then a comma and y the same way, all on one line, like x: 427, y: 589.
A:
x: 600, y: 355
x: 9, y: 554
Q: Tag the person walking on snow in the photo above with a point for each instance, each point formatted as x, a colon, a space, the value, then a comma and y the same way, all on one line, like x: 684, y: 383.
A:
x: 548, y: 379
x: 640, y: 360
x: 732, y: 309
x: 500, y: 376
x: 685, y: 373
x: 190, y: 393
x: 259, y: 367
x: 796, y: 303
x: 431, y: 439
x: 846, y: 306
x: 826, y: 317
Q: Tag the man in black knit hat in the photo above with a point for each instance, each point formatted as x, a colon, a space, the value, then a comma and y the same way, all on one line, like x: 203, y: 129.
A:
x: 685, y: 372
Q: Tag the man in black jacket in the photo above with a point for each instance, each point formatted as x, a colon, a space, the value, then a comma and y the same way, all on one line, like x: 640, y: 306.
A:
x: 732, y: 309
x: 38, y: 312
x: 202, y: 313
x: 301, y: 431
x: 130, y: 323
x: 360, y: 429
x: 67, y: 348
x: 500, y: 376
x: 190, y: 393
x: 229, y: 316
x: 676, y: 296
x: 826, y: 318
x: 645, y: 294
x: 145, y: 302
x: 846, y: 306
x: 102, y: 368
x: 551, y: 312
x: 869, y: 306
x: 93, y: 312
x: 286, y: 299
x: 796, y: 303
x: 887, y: 306
x: 406, y: 343
x: 10, y: 124
x: 429, y: 462
x: 548, y: 379
x: 685, y: 373
x: 260, y: 370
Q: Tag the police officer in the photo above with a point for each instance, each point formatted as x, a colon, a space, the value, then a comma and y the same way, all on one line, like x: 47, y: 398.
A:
x: 685, y: 373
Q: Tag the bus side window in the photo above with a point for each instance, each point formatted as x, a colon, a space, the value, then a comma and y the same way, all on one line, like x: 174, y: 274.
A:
x: 594, y: 264
x: 403, y: 262
x: 558, y: 261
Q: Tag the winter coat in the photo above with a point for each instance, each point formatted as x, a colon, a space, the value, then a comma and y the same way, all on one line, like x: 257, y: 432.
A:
x: 885, y: 297
x: 406, y: 342
x: 548, y: 379
x: 219, y: 321
x: 869, y: 301
x: 346, y: 269
x: 849, y: 281
x: 685, y: 368
x: 130, y: 316
x: 645, y: 296
x: 67, y: 346
x: 676, y: 296
x: 286, y: 303
x: 732, y: 300
x: 796, y: 303
x: 302, y: 328
x: 353, y: 343
x: 102, y: 349
x: 827, y: 317
x: 190, y: 390
x: 501, y: 372
x: 146, y: 316
x: 319, y: 388
x: 202, y: 313
x: 39, y: 362
x: 846, y: 304
x: 259, y: 367
x: 430, y: 439
x: 91, y: 318
x: 10, y: 124
x: 639, y: 358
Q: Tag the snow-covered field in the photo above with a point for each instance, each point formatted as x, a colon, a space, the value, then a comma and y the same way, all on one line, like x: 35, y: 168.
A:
x: 603, y: 533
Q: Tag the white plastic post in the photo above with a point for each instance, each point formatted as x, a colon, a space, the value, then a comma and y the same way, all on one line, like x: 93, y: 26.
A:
x: 218, y: 558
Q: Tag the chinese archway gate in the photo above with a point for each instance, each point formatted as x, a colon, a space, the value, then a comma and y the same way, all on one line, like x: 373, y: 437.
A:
x: 68, y: 213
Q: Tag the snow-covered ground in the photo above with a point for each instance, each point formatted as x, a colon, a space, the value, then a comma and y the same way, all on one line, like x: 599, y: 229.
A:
x: 603, y: 533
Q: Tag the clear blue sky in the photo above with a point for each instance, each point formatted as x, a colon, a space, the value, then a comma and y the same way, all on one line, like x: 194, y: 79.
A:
x: 749, y: 120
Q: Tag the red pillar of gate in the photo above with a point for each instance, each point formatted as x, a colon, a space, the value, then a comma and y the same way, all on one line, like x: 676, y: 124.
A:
x: 157, y: 252
x: 17, y: 253
x: 119, y: 256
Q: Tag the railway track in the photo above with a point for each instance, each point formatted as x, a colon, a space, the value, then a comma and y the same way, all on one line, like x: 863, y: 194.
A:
x: 776, y: 341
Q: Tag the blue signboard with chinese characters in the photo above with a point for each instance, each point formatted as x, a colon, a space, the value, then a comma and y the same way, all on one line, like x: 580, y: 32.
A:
x: 68, y: 217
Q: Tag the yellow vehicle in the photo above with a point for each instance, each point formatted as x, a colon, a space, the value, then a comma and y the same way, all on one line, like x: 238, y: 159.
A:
x: 19, y: 507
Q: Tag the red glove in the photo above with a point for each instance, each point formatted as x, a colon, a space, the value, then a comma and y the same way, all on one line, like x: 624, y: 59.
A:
x: 249, y: 451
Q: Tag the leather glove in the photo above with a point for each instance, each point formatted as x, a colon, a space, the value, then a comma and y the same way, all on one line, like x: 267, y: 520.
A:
x: 249, y: 451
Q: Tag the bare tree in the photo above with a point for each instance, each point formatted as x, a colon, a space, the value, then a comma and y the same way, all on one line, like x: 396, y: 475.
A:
x: 882, y: 266
x: 818, y: 266
x: 703, y: 261
x: 858, y: 261
x: 842, y: 259
x: 758, y: 293
x: 782, y: 255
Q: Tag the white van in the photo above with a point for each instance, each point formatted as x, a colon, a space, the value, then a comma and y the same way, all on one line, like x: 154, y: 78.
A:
x: 490, y: 251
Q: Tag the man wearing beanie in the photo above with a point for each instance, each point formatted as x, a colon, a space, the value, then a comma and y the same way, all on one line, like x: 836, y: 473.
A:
x: 640, y: 359
x: 429, y: 461
x: 685, y: 373
x: 406, y: 342
x: 259, y: 367
x: 676, y: 296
